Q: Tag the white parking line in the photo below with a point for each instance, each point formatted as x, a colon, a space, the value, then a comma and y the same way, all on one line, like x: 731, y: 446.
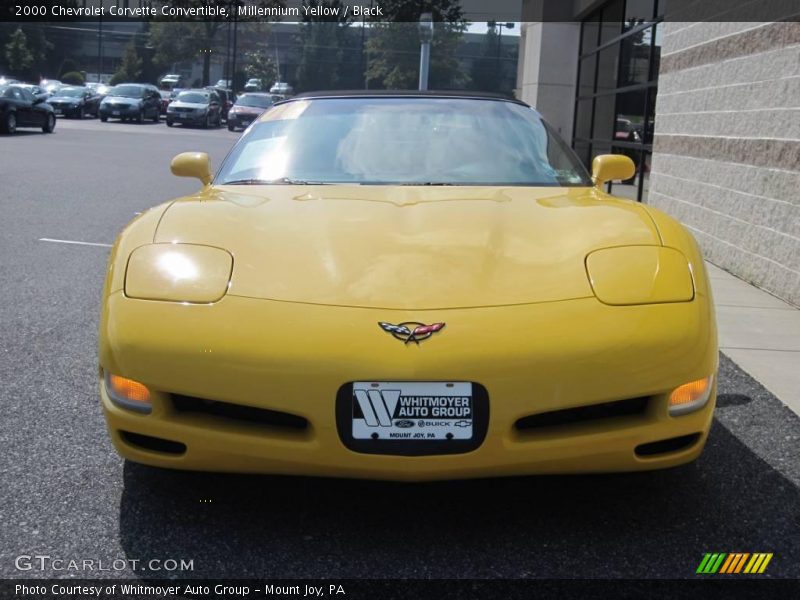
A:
x: 74, y: 242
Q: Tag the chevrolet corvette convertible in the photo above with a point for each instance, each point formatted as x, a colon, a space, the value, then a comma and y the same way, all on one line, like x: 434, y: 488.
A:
x: 406, y: 286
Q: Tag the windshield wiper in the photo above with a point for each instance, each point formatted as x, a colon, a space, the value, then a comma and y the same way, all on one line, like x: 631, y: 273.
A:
x: 278, y: 181
x: 425, y: 183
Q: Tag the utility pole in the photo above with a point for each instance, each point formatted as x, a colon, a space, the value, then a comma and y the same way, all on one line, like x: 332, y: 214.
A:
x: 425, y: 38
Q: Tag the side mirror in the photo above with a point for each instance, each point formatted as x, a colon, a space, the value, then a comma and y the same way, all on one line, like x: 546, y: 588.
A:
x: 611, y: 167
x: 192, y: 164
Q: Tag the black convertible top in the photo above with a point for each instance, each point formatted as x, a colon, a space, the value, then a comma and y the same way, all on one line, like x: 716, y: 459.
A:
x: 405, y: 94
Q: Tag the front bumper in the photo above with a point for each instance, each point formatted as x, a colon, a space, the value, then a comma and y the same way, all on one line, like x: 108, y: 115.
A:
x: 67, y: 110
x: 119, y: 112
x: 293, y: 358
x: 241, y: 119
x: 187, y: 118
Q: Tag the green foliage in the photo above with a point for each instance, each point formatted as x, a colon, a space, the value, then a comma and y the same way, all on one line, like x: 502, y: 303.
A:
x: 67, y: 66
x: 484, y: 68
x: 73, y: 78
x: 393, y: 49
x: 326, y: 43
x: 258, y: 64
x: 18, y: 55
x: 130, y: 70
x: 26, y: 52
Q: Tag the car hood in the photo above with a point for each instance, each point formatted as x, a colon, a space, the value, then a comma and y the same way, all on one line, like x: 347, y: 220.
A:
x: 409, y: 248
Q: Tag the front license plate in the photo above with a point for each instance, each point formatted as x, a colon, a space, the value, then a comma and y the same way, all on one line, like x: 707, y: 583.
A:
x: 115, y: 113
x: 412, y: 411
x: 58, y: 111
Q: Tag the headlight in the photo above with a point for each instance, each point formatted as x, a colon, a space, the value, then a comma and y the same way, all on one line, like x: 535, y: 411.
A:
x: 178, y: 273
x: 690, y: 396
x: 629, y: 275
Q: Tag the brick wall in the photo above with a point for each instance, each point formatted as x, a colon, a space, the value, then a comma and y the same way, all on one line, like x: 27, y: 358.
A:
x: 726, y: 157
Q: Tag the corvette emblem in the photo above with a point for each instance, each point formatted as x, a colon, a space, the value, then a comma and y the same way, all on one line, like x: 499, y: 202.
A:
x: 411, y: 331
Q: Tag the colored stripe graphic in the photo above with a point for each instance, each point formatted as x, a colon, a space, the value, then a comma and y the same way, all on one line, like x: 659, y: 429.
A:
x: 727, y: 564
x: 758, y: 563
x: 734, y: 563
x: 711, y: 563
x: 722, y: 563
x: 765, y: 563
x: 741, y: 562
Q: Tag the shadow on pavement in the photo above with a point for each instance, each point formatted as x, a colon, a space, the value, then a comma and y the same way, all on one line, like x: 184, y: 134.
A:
x: 656, y: 524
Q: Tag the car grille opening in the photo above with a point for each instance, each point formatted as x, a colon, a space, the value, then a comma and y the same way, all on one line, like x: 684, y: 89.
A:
x: 666, y: 446
x: 238, y: 412
x: 153, y: 444
x: 583, y: 414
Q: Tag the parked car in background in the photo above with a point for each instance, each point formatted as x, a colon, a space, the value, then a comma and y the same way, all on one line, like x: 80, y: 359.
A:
x: 51, y: 85
x: 7, y: 80
x: 224, y: 84
x: 195, y: 107
x: 166, y: 98
x: 75, y: 102
x: 172, y: 81
x: 247, y: 109
x: 625, y: 130
x: 253, y: 85
x: 20, y: 108
x: 226, y: 98
x: 282, y: 88
x: 101, y: 88
x: 131, y: 101
x: 38, y: 91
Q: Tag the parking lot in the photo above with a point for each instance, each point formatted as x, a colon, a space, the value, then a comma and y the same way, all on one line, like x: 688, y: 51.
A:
x: 65, y: 493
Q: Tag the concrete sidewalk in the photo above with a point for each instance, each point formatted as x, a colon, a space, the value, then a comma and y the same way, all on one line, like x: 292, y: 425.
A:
x: 760, y: 333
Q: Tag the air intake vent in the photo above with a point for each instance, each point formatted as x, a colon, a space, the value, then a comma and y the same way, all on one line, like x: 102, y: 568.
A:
x: 155, y: 444
x: 583, y: 414
x: 238, y: 412
x: 666, y: 446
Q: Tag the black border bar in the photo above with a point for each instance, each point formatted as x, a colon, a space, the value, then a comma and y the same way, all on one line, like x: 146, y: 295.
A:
x: 475, y: 11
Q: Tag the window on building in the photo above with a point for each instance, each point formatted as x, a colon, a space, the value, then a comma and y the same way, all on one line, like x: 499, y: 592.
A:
x: 617, y: 83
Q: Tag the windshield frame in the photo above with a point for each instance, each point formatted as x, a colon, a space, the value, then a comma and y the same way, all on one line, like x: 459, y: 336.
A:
x: 580, y: 172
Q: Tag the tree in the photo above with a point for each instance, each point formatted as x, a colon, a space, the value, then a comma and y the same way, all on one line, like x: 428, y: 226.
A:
x: 178, y: 41
x: 485, y: 76
x: 131, y: 67
x: 18, y: 56
x: 260, y: 66
x: 324, y: 42
x: 67, y: 66
x: 393, y: 48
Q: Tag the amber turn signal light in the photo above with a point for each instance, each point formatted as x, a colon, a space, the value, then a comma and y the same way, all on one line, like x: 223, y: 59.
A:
x: 690, y: 396
x: 128, y: 393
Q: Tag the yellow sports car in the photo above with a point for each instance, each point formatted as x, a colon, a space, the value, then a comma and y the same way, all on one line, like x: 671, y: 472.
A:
x: 406, y: 286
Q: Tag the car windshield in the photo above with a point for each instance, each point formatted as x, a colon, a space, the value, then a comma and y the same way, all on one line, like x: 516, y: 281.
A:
x: 396, y: 141
x: 127, y: 91
x: 71, y: 92
x: 255, y: 101
x: 193, y: 97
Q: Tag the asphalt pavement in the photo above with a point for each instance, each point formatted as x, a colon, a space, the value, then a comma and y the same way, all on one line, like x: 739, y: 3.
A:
x: 65, y: 493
